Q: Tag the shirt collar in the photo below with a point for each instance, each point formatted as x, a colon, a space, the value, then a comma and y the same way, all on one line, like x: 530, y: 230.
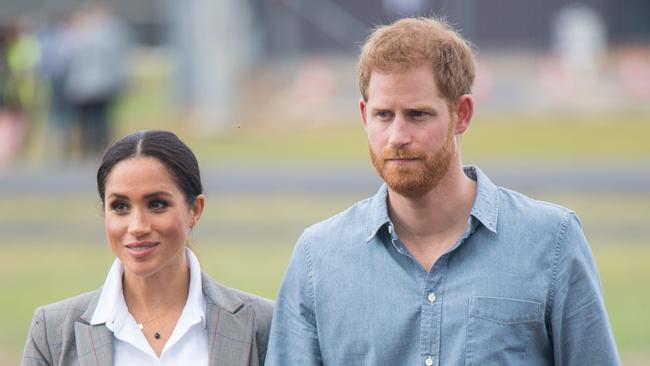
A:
x: 486, y: 203
x: 112, y: 310
x: 485, y: 208
x: 377, y: 212
x: 111, y: 300
x: 195, y: 305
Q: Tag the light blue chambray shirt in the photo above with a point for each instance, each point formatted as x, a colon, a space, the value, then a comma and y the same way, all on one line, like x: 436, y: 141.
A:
x: 518, y: 288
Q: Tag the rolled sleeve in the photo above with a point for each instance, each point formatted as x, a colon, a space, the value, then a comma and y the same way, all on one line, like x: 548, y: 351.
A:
x: 580, y: 327
x: 294, y: 337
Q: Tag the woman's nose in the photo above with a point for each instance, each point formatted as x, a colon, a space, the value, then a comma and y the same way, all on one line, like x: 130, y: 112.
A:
x: 139, y: 224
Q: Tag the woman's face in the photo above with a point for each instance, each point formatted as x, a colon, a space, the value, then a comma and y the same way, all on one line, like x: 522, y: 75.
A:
x: 147, y: 219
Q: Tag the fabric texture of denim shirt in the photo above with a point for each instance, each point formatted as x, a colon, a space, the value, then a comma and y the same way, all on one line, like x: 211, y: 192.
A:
x: 518, y: 288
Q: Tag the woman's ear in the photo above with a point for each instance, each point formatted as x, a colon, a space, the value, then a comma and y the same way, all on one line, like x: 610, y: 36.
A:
x: 197, y: 209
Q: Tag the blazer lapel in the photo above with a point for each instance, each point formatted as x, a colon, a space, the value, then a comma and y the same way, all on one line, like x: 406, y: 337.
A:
x: 230, y: 325
x: 94, y: 342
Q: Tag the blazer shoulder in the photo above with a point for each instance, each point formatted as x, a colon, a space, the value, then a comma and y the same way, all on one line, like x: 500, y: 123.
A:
x: 76, y: 304
x: 67, y: 311
x: 233, y: 299
x: 236, y: 301
x: 262, y: 307
x: 52, y: 325
x: 262, y: 313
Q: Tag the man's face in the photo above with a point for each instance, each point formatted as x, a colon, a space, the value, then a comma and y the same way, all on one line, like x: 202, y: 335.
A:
x: 410, y: 130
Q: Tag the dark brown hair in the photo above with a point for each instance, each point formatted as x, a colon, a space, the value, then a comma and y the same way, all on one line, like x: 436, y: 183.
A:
x: 162, y: 145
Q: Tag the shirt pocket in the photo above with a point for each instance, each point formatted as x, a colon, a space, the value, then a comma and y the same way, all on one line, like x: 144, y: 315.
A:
x: 501, y: 330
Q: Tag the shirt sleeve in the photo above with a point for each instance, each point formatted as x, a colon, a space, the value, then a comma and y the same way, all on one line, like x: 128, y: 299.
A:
x: 580, y: 329
x: 294, y: 337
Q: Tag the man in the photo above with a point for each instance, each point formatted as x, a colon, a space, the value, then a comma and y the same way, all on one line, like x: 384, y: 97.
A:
x: 440, y: 267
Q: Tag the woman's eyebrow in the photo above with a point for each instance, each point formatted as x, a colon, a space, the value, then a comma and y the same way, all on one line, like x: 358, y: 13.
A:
x: 146, y: 196
x: 157, y: 193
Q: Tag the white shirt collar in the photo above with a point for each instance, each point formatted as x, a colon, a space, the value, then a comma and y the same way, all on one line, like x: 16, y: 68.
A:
x: 112, y: 310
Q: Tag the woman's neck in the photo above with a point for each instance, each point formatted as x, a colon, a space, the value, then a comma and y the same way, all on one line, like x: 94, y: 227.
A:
x: 161, y: 292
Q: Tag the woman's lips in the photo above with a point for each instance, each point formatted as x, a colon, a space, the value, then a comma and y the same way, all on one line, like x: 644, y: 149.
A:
x: 141, y: 249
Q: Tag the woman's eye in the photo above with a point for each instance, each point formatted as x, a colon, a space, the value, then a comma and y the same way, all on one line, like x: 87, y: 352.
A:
x: 158, y: 205
x: 119, y: 207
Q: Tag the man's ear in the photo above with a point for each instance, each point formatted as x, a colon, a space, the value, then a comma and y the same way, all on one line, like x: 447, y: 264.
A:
x: 464, y: 112
x: 362, y: 109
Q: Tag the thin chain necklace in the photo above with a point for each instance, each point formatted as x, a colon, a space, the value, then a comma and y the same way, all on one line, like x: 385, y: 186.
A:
x: 141, y: 324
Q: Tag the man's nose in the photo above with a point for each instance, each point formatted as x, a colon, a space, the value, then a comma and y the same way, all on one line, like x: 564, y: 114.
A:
x: 400, y: 134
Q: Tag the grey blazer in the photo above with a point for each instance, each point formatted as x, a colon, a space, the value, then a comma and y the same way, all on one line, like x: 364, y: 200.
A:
x: 237, y: 325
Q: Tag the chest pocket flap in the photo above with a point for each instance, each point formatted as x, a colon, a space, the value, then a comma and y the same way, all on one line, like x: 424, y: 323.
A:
x: 505, y: 310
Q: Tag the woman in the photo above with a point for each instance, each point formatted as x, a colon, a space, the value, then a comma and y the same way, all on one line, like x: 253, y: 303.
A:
x: 156, y: 306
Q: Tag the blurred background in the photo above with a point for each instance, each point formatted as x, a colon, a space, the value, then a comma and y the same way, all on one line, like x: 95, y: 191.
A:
x: 265, y: 93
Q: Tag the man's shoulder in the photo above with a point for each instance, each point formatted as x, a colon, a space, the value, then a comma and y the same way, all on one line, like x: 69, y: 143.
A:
x: 522, y: 207
x: 351, y: 221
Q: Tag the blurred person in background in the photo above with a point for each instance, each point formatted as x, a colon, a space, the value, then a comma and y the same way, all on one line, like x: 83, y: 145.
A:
x: 53, y: 37
x: 96, y: 72
x: 10, y: 122
x: 20, y: 56
x: 156, y: 307
x: 441, y: 266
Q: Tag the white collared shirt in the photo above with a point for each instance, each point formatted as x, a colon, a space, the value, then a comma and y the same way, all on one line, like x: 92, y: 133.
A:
x: 188, y: 344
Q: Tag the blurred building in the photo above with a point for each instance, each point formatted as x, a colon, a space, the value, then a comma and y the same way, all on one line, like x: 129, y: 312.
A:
x: 287, y: 27
x: 216, y: 45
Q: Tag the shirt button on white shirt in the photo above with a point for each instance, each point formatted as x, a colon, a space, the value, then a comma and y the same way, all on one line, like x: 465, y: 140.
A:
x: 431, y: 297
x: 428, y: 361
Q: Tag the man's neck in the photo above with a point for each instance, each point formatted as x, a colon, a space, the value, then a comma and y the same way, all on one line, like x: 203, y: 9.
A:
x: 430, y: 225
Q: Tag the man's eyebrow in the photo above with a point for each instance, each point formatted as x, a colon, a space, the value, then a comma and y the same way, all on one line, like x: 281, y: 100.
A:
x: 420, y: 107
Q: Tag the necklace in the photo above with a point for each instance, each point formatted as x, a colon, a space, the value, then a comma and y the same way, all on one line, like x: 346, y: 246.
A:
x: 141, y: 325
x: 155, y: 335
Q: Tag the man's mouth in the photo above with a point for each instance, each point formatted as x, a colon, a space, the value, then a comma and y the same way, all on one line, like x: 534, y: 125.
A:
x: 401, y: 160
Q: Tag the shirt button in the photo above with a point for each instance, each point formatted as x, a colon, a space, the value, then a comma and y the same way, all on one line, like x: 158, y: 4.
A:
x: 428, y: 361
x: 431, y: 297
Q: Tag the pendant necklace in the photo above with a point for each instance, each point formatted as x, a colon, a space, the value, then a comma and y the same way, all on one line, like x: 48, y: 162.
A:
x: 155, y: 335
x: 141, y: 325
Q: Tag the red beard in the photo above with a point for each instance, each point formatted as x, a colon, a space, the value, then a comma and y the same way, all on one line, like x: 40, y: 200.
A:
x: 415, y: 179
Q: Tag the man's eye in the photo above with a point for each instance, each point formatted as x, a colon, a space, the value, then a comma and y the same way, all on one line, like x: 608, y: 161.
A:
x: 383, y: 115
x: 119, y: 207
x: 418, y: 114
x: 158, y: 205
